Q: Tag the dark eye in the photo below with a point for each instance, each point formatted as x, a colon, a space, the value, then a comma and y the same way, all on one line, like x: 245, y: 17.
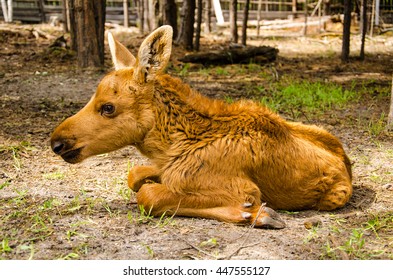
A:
x: 107, y: 109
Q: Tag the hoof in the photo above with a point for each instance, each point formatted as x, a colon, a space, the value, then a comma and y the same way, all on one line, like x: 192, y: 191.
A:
x: 246, y: 215
x: 268, y: 222
x: 247, y: 205
x: 272, y: 221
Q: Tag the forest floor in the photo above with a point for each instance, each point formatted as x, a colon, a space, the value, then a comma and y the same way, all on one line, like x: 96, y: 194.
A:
x: 53, y: 210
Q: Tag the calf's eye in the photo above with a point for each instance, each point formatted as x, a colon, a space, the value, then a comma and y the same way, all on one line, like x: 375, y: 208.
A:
x: 107, y: 109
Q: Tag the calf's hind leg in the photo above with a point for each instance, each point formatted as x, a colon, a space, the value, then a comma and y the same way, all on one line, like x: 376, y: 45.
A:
x: 336, y: 197
x: 158, y: 199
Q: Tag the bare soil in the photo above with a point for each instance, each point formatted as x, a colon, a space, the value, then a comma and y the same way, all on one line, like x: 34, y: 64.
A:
x: 53, y: 210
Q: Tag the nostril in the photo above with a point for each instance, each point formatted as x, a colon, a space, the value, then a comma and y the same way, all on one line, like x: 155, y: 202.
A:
x: 58, y: 147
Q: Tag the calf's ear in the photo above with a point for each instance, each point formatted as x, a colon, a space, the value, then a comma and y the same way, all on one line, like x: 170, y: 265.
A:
x: 154, y: 54
x: 121, y: 56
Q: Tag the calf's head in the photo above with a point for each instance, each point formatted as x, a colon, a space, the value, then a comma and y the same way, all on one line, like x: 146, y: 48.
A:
x: 119, y: 113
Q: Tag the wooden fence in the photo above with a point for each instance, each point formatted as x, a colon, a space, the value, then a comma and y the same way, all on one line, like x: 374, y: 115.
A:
x: 43, y: 10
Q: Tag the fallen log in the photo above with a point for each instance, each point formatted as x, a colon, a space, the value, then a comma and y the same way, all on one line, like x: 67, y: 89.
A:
x: 260, y: 55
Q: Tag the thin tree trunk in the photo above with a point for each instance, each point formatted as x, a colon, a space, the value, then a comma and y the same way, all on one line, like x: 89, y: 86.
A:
x: 305, y: 18
x: 152, y: 15
x: 363, y: 27
x: 125, y: 8
x: 346, y: 30
x: 146, y: 16
x: 141, y: 15
x: 390, y: 116
x: 186, y: 33
x: 233, y: 21
x: 372, y: 19
x: 198, y: 25
x: 208, y: 15
x: 65, y: 17
x: 259, y: 16
x: 170, y: 15
x: 245, y: 22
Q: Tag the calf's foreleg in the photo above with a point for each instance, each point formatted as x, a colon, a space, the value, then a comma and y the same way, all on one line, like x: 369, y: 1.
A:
x: 159, y: 199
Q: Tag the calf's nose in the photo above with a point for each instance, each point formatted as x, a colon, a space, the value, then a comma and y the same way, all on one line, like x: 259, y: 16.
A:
x: 57, y: 147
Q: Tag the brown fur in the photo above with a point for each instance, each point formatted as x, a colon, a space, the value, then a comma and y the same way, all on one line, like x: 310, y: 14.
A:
x: 209, y: 158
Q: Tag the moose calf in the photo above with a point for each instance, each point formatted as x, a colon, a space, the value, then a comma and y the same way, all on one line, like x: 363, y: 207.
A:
x: 209, y: 159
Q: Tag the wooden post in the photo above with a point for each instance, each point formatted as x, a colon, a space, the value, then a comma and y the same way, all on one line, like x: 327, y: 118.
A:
x: 377, y: 3
x: 10, y: 11
x: 218, y: 11
x: 259, y: 16
x: 305, y: 17
x: 294, y: 8
x: 41, y: 8
x: 5, y: 10
x: 125, y: 8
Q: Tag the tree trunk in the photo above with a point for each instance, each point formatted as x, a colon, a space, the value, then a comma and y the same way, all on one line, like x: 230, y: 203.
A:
x: 233, y: 21
x: 141, y: 15
x: 363, y: 27
x: 42, y: 11
x: 65, y: 16
x: 346, y: 30
x: 208, y: 15
x: 186, y: 33
x: 390, y: 116
x: 152, y: 15
x: 146, y: 16
x: 245, y: 22
x: 87, y: 31
x: 170, y: 15
x: 198, y: 25
x: 305, y: 18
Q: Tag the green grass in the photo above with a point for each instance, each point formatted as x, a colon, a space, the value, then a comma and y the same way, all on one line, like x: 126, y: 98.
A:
x: 57, y: 175
x: 5, y: 184
x: 149, y: 250
x: 144, y: 216
x: 371, y: 239
x: 377, y: 126
x: 16, y: 151
x: 297, y: 98
x: 221, y: 71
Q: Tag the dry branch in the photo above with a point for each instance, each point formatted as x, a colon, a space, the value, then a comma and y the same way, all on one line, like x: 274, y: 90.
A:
x: 262, y: 54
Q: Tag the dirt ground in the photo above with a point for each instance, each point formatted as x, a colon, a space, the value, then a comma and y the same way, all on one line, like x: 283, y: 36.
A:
x: 53, y: 210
